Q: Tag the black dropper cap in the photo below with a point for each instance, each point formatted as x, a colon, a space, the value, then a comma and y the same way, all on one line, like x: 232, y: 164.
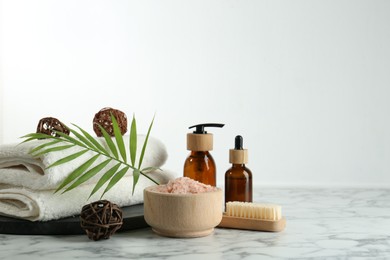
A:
x: 238, y: 155
x: 238, y: 142
x: 200, y: 127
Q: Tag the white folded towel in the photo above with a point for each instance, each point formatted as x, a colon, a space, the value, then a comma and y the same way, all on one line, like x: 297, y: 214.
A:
x: 14, y: 157
x: 44, y: 205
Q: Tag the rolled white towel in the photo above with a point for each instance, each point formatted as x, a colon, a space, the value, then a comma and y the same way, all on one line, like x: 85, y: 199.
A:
x: 19, y: 168
x: 44, y: 205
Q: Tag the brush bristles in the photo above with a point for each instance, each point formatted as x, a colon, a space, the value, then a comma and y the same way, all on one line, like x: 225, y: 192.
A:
x: 253, y: 210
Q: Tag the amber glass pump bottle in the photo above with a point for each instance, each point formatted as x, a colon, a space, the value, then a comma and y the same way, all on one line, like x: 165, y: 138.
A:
x: 238, y: 178
x: 200, y: 165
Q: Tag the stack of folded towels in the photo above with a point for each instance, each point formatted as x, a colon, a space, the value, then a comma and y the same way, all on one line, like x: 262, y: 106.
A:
x: 27, y: 187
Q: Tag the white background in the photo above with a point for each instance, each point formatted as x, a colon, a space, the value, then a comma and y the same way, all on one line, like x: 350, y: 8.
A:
x: 307, y: 83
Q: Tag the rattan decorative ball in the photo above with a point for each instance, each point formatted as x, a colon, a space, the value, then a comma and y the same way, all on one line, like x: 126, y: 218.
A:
x: 101, y: 219
x: 48, y: 125
x: 103, y: 118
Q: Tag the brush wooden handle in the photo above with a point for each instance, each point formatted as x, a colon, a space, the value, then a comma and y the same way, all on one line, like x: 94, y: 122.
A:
x: 253, y: 224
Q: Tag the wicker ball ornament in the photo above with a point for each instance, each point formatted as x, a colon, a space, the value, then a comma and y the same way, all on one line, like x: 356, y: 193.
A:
x: 101, y: 219
x: 48, y: 125
x: 103, y: 118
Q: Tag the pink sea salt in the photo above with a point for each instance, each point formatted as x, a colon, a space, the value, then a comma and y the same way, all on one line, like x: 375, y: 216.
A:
x: 184, y: 185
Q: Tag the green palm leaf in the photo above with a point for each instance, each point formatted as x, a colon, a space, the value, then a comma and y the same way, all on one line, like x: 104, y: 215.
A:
x: 109, y: 142
x: 77, y: 172
x: 92, y: 140
x: 53, y: 149
x: 133, y: 141
x: 106, y: 176
x: 39, y: 147
x: 145, y: 143
x: 119, y: 138
x: 30, y: 135
x: 67, y: 158
x: 136, y: 174
x: 115, y: 179
x: 88, y: 175
x: 35, y: 136
x: 70, y: 139
x: 81, y: 138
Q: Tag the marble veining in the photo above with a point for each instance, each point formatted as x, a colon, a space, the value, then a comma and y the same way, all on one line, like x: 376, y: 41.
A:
x: 322, y: 223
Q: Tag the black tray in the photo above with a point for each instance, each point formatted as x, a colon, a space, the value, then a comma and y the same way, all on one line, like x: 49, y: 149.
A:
x: 133, y: 218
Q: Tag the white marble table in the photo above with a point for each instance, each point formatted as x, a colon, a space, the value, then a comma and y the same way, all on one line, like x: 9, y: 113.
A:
x: 321, y: 224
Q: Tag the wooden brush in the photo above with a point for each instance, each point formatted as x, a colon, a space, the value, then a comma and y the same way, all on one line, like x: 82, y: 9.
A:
x: 253, y: 216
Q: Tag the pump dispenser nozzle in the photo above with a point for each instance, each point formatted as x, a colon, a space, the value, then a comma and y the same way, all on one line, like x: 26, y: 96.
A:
x: 200, y: 127
x: 200, y: 140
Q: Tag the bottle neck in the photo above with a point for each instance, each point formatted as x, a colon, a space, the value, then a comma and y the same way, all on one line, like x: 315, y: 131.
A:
x: 200, y: 153
x: 238, y: 165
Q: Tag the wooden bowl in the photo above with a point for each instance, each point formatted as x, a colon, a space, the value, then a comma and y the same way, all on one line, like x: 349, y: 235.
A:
x: 183, y: 215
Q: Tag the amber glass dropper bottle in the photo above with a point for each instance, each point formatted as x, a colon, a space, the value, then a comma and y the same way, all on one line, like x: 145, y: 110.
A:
x: 238, y: 178
x: 200, y: 165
